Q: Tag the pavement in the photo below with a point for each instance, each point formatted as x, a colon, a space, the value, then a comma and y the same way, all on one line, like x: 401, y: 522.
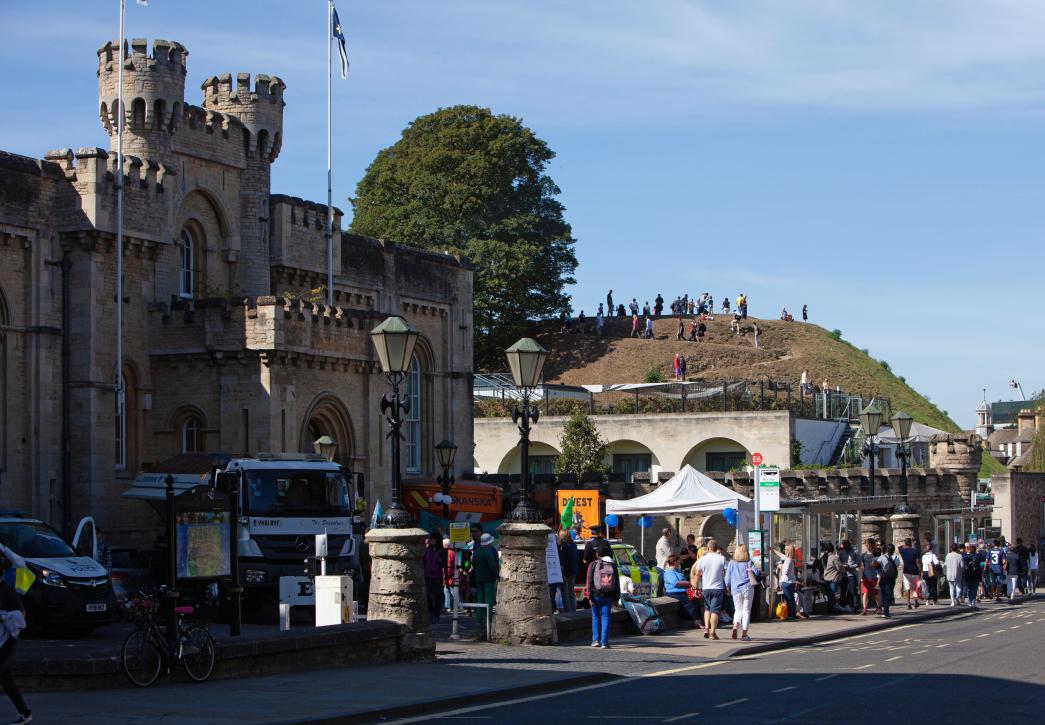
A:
x: 467, y: 674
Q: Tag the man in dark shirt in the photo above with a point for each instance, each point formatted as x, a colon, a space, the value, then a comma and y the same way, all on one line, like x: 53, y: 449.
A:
x: 597, y: 546
x: 971, y: 572
x: 1012, y: 572
x: 912, y: 571
x: 568, y: 556
x: 1024, y: 566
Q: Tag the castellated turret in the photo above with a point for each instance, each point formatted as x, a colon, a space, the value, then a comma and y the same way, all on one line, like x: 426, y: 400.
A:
x: 259, y: 109
x: 153, y: 94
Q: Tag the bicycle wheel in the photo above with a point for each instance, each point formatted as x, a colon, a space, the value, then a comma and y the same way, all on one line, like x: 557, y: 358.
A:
x: 141, y: 658
x: 197, y: 653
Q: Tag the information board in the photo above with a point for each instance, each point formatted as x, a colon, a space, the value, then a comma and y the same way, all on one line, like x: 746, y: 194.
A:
x: 203, y: 544
x: 769, y: 489
x: 458, y: 534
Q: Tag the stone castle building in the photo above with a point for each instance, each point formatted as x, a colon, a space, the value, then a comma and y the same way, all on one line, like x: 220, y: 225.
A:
x: 226, y: 347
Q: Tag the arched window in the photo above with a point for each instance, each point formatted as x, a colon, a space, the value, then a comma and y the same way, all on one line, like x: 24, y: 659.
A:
x: 186, y: 262
x: 120, y: 437
x: 192, y: 435
x: 413, y: 418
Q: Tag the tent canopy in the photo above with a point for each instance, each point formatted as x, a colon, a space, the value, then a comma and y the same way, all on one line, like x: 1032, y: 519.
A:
x: 688, y: 491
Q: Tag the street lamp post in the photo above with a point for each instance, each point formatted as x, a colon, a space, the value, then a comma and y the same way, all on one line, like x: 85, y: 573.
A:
x: 871, y: 421
x: 526, y: 359
x: 446, y: 451
x: 901, y: 423
x: 326, y: 447
x: 394, y: 340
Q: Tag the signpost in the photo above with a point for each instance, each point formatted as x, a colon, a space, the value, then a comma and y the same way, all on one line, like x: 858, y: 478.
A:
x: 458, y: 541
x: 769, y: 489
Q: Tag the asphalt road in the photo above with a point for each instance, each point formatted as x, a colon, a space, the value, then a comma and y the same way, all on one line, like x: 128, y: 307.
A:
x: 982, y: 667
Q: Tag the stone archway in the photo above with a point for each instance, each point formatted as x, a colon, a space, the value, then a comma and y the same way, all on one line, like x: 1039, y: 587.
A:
x: 715, y: 527
x: 327, y: 415
x: 717, y: 454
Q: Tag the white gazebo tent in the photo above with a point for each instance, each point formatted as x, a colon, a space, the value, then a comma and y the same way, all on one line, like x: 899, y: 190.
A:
x: 687, y: 492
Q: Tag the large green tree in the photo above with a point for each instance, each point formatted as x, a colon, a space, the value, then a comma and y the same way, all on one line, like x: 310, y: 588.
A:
x: 583, y: 448
x: 470, y: 182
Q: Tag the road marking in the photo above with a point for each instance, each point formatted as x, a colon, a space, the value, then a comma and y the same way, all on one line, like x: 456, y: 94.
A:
x: 964, y: 640
x: 785, y: 689
x: 1015, y: 627
x: 920, y: 652
x: 826, y: 677
x: 985, y: 634
x: 942, y: 645
x: 893, y: 659
x: 681, y: 717
x: 733, y: 702
x: 999, y: 631
x: 862, y: 667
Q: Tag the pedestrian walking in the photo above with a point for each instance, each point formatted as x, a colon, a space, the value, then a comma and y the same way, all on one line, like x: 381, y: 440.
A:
x: 869, y: 578
x: 600, y: 321
x: 1012, y: 573
x: 12, y: 622
x: 634, y: 325
x: 887, y: 574
x: 912, y: 572
x: 681, y: 332
x: 931, y: 574
x: 758, y: 336
x: 701, y: 330
x: 486, y: 568
x: 434, y: 564
x: 805, y: 313
x: 786, y: 576
x: 682, y: 366
x: 602, y: 590
x: 569, y: 559
x: 609, y: 302
x: 649, y: 328
x: 1024, y: 566
x: 952, y: 565
x: 711, y: 580
x: 741, y: 580
x: 851, y: 562
x: 1032, y: 571
x: 972, y: 561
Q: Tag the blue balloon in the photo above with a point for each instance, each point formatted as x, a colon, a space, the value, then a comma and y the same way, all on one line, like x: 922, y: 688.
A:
x: 612, y: 520
x: 730, y: 515
x: 573, y: 533
x: 645, y: 521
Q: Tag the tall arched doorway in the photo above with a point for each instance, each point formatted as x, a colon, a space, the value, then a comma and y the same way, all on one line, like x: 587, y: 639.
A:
x: 328, y: 416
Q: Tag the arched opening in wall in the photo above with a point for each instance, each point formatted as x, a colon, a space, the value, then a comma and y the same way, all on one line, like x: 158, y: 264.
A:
x: 542, y: 459
x: 190, y: 425
x: 138, y: 114
x: 159, y: 114
x: 125, y: 419
x: 717, y: 454
x: 716, y: 527
x: 412, y: 429
x: 263, y: 143
x: 328, y: 416
x: 246, y: 143
x: 187, y: 246
x: 625, y: 458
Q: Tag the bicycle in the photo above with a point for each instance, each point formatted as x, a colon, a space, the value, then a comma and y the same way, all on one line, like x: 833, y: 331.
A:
x: 148, y: 647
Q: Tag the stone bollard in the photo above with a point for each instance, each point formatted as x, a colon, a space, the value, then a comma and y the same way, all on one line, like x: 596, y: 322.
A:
x: 524, y: 609
x: 397, y: 587
x: 905, y: 526
x: 872, y: 527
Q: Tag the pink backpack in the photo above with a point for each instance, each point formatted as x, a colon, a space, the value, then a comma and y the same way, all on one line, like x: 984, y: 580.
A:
x: 602, y: 578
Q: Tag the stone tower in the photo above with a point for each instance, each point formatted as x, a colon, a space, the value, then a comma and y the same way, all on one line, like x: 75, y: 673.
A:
x: 984, y: 421
x: 959, y: 454
x: 153, y: 93
x: 259, y: 112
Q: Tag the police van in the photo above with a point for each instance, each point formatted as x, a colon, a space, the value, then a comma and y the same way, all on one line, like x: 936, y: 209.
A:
x: 646, y: 576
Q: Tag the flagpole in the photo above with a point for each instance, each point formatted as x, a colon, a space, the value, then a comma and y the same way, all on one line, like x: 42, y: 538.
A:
x: 120, y: 398
x: 330, y: 193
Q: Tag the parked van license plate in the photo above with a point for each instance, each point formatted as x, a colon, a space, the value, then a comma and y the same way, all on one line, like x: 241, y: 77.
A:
x: 97, y: 607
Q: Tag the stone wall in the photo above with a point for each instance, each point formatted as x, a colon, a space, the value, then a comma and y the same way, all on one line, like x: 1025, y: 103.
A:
x: 1019, y: 504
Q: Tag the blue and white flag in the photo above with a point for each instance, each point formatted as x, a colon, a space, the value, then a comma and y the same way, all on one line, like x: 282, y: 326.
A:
x: 340, y: 37
x: 379, y: 513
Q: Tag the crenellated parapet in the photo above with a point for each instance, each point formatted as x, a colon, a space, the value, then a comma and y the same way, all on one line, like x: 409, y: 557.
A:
x: 259, y: 108
x: 961, y: 455
x: 153, y: 88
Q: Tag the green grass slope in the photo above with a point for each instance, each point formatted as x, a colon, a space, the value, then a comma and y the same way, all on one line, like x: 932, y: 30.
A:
x: 787, y: 349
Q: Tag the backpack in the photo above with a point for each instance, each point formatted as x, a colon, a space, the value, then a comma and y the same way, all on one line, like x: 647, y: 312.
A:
x: 889, y: 571
x: 969, y: 567
x: 602, y: 578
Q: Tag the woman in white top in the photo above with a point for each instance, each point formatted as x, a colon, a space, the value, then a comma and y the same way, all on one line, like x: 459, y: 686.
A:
x: 930, y: 574
x: 953, y: 569
x: 786, y: 572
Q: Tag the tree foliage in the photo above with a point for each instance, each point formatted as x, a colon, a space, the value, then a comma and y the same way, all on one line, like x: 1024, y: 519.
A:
x: 583, y: 449
x: 469, y: 182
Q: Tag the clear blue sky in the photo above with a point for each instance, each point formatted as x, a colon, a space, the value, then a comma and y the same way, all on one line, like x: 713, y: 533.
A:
x: 881, y: 162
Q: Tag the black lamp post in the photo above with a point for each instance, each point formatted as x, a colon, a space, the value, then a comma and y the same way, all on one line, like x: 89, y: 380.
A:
x: 902, y: 430
x: 526, y: 359
x: 172, y: 561
x: 394, y: 341
x: 446, y: 451
x: 871, y: 421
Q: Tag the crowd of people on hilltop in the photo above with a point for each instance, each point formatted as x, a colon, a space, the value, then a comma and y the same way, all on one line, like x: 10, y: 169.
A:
x: 700, y: 308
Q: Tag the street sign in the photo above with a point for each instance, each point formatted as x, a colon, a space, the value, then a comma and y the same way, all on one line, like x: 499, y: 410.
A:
x: 756, y: 459
x: 769, y: 489
x: 458, y: 533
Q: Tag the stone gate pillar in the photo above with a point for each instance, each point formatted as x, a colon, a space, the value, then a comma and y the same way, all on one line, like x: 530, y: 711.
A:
x: 524, y: 610
x: 397, y: 586
x: 905, y: 526
x: 871, y: 527
x: 961, y: 456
